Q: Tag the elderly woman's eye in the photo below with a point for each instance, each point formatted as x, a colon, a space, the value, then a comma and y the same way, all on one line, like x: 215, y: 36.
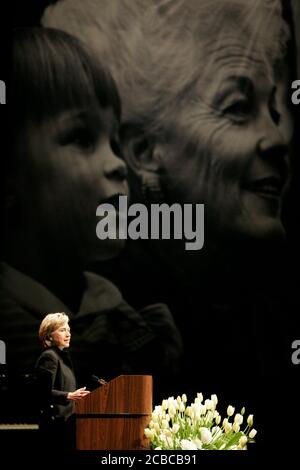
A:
x: 239, y: 109
x: 275, y: 115
x: 274, y: 104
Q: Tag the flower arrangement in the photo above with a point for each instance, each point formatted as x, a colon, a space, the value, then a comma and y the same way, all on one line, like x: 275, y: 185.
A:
x: 174, y: 426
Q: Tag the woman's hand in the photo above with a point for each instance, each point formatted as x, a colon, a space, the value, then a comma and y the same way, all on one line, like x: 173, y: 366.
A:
x: 78, y: 394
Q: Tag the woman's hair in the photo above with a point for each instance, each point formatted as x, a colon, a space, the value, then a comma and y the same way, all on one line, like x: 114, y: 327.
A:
x: 53, y: 71
x: 156, y: 49
x: 50, y: 323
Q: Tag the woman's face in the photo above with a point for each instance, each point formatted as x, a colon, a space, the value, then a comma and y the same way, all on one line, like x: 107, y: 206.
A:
x: 67, y: 168
x: 228, y: 148
x: 61, y: 337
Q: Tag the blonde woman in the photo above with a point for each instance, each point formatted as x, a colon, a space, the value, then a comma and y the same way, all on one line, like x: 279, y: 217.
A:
x: 56, y: 381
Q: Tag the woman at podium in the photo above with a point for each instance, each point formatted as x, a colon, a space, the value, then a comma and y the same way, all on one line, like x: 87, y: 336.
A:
x: 57, y: 391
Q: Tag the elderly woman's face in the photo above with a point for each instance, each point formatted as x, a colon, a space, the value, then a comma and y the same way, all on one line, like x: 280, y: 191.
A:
x: 68, y: 168
x: 229, y: 150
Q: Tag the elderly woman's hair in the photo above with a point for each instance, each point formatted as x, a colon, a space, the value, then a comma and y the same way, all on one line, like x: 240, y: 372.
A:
x: 156, y: 49
x: 50, y: 323
x: 53, y: 71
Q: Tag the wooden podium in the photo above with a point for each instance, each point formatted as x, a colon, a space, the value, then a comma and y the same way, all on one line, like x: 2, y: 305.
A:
x: 114, y: 416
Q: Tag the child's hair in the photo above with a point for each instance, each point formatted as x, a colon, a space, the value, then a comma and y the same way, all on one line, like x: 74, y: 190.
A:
x: 53, y: 71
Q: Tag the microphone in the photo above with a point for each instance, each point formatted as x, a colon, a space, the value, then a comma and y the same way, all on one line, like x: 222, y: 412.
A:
x: 97, y: 379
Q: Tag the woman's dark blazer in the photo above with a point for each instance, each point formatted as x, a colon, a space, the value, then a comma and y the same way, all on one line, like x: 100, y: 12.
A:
x: 55, y: 378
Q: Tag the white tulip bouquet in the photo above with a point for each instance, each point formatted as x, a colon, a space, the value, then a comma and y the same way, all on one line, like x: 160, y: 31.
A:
x: 176, y: 426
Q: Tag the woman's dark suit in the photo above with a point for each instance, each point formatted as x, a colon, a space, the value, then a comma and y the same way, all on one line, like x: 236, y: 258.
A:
x: 55, y: 379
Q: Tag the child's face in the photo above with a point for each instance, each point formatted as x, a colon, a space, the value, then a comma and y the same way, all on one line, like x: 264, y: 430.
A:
x: 68, y: 168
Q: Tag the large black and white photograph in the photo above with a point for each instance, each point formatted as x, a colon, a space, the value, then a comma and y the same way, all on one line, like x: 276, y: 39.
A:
x: 150, y: 240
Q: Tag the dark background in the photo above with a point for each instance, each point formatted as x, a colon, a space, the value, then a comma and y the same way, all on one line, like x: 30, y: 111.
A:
x: 284, y: 399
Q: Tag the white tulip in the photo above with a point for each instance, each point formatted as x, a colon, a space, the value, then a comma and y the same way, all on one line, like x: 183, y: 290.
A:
x: 202, y: 409
x: 228, y: 428
x: 149, y: 433
x: 164, y: 405
x: 252, y: 433
x: 175, y: 428
x: 185, y: 444
x: 236, y: 427
x: 164, y: 424
x: 181, y: 407
x: 208, y: 404
x: 170, y: 442
x: 216, y: 432
x: 156, y: 427
x: 171, y: 402
x: 243, y: 441
x: 196, y: 411
x: 214, y: 399
x: 218, y: 419
x: 173, y: 418
x: 238, y: 418
x: 197, y: 443
x: 250, y: 420
x: 172, y: 410
x: 206, y: 436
